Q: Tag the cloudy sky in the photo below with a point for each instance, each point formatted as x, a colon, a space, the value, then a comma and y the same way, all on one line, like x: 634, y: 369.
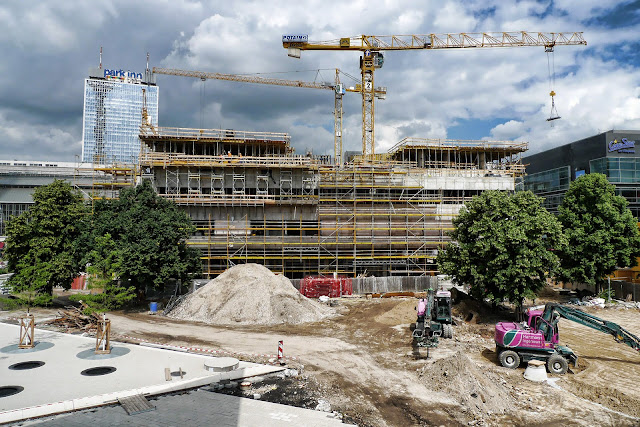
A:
x: 500, y: 94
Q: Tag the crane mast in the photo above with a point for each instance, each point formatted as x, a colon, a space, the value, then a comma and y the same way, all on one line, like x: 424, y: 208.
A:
x: 337, y: 87
x: 372, y: 57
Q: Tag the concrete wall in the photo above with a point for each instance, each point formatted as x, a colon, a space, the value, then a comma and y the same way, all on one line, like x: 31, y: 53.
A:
x: 474, y: 181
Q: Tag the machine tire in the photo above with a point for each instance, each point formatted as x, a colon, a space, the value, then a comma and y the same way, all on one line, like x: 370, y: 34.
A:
x: 557, y: 364
x: 509, y: 359
x: 448, y: 331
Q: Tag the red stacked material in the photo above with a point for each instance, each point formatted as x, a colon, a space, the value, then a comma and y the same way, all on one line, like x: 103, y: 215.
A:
x: 333, y: 287
x: 79, y: 282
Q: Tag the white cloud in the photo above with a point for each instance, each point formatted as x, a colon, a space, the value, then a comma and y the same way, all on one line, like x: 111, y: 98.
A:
x: 450, y: 17
x: 42, y: 26
x: 429, y: 92
x: 21, y: 141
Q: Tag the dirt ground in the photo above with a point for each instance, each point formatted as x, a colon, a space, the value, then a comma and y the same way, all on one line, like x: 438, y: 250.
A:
x: 362, y: 363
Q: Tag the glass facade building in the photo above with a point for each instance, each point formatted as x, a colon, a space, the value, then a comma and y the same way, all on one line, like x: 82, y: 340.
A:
x: 619, y: 170
x: 611, y: 153
x: 112, y: 118
x: 550, y: 184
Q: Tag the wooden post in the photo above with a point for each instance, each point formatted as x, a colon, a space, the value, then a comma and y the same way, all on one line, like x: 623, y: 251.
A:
x: 103, y: 337
x: 27, y: 326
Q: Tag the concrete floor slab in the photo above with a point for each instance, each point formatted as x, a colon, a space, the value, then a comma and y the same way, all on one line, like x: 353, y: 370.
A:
x: 59, y: 386
x: 198, y: 407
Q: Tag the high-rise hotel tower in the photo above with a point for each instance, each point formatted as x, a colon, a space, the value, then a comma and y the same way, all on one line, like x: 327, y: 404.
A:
x: 113, y: 102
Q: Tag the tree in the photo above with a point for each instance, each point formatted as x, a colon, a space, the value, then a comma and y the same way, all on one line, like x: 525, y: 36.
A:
x: 149, y: 235
x: 104, y: 261
x: 503, y: 246
x: 40, y: 246
x: 601, y: 231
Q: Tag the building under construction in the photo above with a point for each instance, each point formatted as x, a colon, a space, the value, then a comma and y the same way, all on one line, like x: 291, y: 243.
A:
x: 253, y: 199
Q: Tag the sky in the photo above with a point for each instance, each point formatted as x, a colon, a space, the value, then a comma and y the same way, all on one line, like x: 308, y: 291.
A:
x: 493, y: 94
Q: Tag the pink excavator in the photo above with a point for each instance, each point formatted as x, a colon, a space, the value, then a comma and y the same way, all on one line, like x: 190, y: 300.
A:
x: 537, y: 338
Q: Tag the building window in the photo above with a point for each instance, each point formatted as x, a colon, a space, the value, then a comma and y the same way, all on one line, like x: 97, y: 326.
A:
x: 112, y: 118
x: 550, y: 180
x: 618, y: 170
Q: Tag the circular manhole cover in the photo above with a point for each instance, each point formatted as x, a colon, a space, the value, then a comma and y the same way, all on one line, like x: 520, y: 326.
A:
x: 32, y: 364
x: 10, y: 390
x: 100, y: 370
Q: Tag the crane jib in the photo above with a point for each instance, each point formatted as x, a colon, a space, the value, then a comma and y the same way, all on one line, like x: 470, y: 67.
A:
x: 368, y: 44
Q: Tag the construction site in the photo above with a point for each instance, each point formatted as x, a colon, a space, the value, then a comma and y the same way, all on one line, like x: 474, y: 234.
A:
x: 270, y: 354
x: 254, y: 200
x: 262, y: 341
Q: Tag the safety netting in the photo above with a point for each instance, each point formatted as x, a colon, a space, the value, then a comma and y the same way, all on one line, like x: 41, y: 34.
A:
x: 333, y: 287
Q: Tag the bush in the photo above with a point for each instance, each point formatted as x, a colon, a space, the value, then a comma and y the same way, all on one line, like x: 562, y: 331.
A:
x: 10, y: 303
x: 113, y: 297
x: 607, y: 294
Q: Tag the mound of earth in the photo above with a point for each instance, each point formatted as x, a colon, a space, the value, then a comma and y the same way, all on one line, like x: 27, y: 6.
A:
x: 249, y: 294
x: 474, y: 311
x: 460, y: 378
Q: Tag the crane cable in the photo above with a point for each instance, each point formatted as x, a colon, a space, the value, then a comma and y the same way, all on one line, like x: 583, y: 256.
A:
x: 551, y: 68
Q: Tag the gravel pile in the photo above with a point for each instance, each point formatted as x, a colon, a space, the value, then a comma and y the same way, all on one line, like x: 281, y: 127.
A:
x: 476, y: 390
x: 249, y: 294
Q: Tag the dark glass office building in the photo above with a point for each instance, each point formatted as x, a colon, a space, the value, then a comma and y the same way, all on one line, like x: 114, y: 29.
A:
x: 612, y: 153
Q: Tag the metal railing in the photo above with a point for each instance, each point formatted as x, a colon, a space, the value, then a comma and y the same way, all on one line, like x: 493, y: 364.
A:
x: 217, y: 134
x: 446, y: 144
x: 176, y: 159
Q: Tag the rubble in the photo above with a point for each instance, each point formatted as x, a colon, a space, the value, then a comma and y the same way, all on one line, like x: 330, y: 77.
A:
x: 73, y: 319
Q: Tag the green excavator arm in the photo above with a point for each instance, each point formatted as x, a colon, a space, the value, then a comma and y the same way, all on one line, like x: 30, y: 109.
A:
x: 553, y: 312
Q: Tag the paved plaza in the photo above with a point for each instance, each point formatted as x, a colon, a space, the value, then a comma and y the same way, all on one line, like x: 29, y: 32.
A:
x: 57, y: 382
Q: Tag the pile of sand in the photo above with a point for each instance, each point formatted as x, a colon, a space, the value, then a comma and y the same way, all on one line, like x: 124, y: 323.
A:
x: 249, y: 294
x: 474, y: 389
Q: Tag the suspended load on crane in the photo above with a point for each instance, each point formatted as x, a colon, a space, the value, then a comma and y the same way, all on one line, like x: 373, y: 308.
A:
x: 551, y: 67
x: 554, y: 112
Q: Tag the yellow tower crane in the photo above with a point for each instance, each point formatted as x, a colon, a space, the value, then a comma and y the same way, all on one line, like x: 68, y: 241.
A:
x: 372, y: 57
x: 337, y: 87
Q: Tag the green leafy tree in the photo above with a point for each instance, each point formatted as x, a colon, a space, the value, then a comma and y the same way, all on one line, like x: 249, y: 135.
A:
x: 503, y: 246
x: 149, y: 234
x: 103, y: 266
x: 601, y: 231
x: 40, y: 242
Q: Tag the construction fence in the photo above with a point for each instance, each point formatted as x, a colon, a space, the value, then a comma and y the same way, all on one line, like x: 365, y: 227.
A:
x: 375, y: 285
x: 620, y: 289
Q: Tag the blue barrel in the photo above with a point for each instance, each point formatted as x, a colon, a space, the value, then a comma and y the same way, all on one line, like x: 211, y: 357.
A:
x: 153, y: 307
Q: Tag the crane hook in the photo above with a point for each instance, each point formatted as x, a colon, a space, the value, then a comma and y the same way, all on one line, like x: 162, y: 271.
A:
x: 554, y: 112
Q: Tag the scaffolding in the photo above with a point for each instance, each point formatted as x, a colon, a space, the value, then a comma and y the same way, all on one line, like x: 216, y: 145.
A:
x: 108, y: 180
x: 253, y: 200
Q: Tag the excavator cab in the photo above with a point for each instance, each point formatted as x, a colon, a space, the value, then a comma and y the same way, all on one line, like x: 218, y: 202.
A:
x: 434, y: 319
x: 442, y: 312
